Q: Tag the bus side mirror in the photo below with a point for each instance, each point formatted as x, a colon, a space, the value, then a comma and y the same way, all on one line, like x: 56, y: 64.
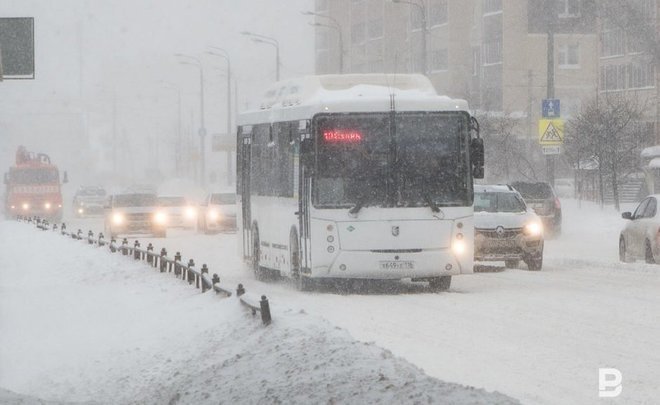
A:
x: 477, y: 157
x: 65, y: 178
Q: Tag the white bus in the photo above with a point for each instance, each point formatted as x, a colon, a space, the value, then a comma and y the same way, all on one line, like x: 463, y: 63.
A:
x: 358, y: 176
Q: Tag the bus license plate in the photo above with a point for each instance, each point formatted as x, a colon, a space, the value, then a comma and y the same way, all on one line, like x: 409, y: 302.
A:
x: 398, y: 265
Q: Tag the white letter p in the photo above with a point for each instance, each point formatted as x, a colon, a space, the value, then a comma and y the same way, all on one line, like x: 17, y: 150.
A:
x: 609, y: 387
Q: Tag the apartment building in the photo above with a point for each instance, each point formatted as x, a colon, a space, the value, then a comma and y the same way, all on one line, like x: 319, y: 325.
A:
x: 492, y: 53
x: 626, y: 65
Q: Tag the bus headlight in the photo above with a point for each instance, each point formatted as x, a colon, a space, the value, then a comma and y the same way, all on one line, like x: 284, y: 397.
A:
x: 26, y: 206
x: 190, y: 212
x: 118, y: 218
x: 458, y: 247
x: 214, y: 215
x: 160, y: 218
x: 533, y: 229
x: 47, y: 205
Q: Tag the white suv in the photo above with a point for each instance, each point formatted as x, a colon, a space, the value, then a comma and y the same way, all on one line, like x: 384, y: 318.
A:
x: 505, y: 229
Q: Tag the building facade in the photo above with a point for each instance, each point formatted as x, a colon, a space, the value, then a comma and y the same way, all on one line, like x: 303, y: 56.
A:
x: 492, y: 53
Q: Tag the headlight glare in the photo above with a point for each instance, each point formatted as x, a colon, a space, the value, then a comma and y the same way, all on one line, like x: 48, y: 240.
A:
x: 160, y: 218
x: 190, y: 212
x: 459, y: 247
x: 214, y: 215
x: 533, y: 229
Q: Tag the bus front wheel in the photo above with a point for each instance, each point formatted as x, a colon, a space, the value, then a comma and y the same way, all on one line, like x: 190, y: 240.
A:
x: 440, y: 283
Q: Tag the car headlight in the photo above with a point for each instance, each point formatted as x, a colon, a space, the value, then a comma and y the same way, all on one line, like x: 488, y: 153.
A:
x: 533, y: 229
x: 160, y: 217
x: 118, y: 218
x: 190, y: 212
x: 80, y: 210
x: 47, y: 205
x: 26, y: 206
x: 458, y: 247
x: 214, y: 215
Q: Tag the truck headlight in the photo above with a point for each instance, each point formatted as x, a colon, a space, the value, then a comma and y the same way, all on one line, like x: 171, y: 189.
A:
x: 47, y: 205
x: 533, y: 229
x: 160, y: 217
x: 117, y: 218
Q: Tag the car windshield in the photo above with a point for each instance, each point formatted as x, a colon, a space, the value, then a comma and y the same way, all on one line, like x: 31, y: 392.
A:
x: 171, y: 201
x: 135, y: 200
x: 414, y: 160
x: 534, y: 190
x: 91, y: 192
x: 223, y: 198
x: 498, y: 202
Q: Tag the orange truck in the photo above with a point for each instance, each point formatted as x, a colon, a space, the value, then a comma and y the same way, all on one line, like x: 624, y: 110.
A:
x: 33, y: 187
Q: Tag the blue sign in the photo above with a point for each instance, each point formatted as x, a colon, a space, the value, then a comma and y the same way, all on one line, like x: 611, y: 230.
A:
x: 551, y: 108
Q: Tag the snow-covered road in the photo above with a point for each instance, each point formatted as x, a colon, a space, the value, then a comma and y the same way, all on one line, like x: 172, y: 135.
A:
x: 537, y: 336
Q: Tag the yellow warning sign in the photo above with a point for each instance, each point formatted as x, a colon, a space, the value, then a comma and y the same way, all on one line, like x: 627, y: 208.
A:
x: 551, y: 132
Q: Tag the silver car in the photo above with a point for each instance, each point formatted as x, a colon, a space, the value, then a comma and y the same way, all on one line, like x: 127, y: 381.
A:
x: 639, y: 239
x: 505, y: 229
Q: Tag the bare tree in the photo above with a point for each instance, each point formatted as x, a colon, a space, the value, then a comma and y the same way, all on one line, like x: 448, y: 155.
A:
x: 607, y: 128
x: 507, y: 155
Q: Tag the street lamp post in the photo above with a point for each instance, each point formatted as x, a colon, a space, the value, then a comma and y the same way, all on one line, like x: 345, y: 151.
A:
x: 336, y: 26
x: 225, y: 55
x: 422, y: 10
x: 270, y: 41
x: 179, y: 140
x: 202, y: 129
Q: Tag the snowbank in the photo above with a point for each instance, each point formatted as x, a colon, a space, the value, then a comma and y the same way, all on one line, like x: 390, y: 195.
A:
x: 79, y: 324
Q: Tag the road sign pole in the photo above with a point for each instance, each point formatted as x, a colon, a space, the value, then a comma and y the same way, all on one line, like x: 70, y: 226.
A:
x: 550, y: 159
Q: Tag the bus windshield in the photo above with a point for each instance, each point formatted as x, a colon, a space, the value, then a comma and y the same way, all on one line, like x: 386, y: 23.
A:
x: 420, y: 159
x: 34, y: 176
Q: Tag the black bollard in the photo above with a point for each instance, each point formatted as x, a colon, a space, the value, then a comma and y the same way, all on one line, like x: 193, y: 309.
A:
x: 136, y: 252
x: 124, y: 247
x: 150, y: 249
x: 240, y: 290
x: 163, y: 253
x: 79, y: 234
x: 265, y: 310
x: 215, y: 279
x: 191, y: 275
x: 177, y: 264
x: 101, y: 242
x: 54, y: 227
x: 63, y: 228
x: 90, y: 237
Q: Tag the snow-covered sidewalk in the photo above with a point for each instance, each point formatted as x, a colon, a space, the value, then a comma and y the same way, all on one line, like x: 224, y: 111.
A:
x: 79, y: 324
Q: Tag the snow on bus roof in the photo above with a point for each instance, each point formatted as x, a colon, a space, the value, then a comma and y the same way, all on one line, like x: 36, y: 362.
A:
x: 327, y: 89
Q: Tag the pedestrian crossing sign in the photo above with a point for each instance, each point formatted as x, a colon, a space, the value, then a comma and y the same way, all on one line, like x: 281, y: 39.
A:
x: 551, y: 132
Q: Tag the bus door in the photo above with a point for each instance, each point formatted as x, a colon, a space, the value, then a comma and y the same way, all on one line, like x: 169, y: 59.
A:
x: 244, y: 159
x: 304, y: 192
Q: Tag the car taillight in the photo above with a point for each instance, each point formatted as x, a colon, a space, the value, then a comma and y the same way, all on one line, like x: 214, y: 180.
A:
x: 557, y: 203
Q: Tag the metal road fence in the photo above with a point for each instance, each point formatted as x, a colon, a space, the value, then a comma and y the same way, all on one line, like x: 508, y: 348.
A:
x: 165, y: 264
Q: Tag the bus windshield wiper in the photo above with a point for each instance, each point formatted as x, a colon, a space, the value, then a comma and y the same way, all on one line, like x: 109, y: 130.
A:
x: 357, y: 207
x: 429, y: 201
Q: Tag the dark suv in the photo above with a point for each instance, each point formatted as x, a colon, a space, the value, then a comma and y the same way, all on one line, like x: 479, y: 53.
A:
x: 544, y: 201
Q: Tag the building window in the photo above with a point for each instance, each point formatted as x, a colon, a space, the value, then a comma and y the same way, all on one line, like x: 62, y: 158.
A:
x: 322, y: 40
x: 438, y: 12
x: 641, y: 75
x: 491, y: 6
x: 375, y: 28
x: 415, y: 18
x: 569, y: 8
x: 613, y: 77
x: 358, y: 33
x: 439, y: 60
x: 491, y: 53
x: 612, y: 43
x: 476, y: 61
x: 569, y: 56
